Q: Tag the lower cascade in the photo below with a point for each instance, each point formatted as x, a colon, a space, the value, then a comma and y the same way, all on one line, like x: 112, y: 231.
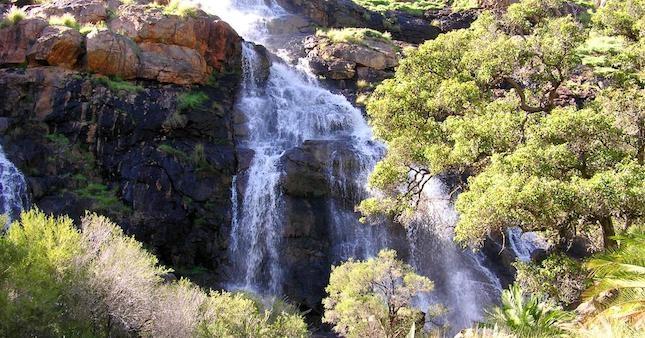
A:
x: 287, y: 116
x: 13, y: 189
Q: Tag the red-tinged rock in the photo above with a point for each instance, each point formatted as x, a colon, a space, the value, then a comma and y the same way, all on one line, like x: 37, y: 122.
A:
x: 16, y: 40
x: 172, y: 64
x: 109, y: 53
x: 57, y: 46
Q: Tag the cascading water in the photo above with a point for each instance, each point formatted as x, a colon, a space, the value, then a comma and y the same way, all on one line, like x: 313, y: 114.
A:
x: 282, y: 113
x: 289, y: 109
x: 13, y: 189
x: 463, y: 284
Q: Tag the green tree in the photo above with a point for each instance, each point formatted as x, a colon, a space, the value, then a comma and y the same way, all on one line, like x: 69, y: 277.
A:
x: 373, y: 298
x: 622, y: 17
x: 37, y: 270
x: 527, y: 316
x: 558, y: 279
x: 484, y: 103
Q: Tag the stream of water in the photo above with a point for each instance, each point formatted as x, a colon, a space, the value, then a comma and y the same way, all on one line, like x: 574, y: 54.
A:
x: 283, y: 112
x: 13, y: 190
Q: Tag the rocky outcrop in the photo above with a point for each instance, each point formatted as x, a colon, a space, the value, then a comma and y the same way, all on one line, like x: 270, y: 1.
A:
x: 156, y: 154
x: 112, y: 54
x: 143, y: 42
x: 129, y: 151
x: 57, y: 46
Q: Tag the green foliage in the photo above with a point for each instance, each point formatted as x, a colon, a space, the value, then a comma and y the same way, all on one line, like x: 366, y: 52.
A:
x: 619, y: 279
x: 55, y: 281
x: 191, y: 100
x: 481, y: 102
x: 414, y: 7
x: 180, y: 8
x: 528, y: 316
x: 13, y: 16
x: 353, y: 35
x: 37, y: 266
x: 117, y: 84
x: 558, y: 279
x: 622, y: 17
x: 67, y: 20
x: 103, y: 198
x: 373, y: 298
x: 91, y: 27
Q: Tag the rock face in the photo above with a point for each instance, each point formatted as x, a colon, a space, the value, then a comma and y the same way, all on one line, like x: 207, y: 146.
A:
x: 346, y: 13
x: 320, y: 189
x: 162, y: 172
x: 143, y: 42
x: 112, y: 54
x: 57, y: 46
x: 156, y: 155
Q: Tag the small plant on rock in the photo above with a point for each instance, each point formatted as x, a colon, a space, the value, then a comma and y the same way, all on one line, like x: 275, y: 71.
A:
x: 13, y: 16
x: 67, y: 20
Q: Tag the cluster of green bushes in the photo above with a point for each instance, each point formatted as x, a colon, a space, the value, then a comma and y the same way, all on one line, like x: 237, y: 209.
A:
x: 417, y: 7
x: 97, y: 282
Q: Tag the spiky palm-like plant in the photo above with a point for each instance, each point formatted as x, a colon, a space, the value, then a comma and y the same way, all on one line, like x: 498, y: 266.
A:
x: 528, y: 316
x: 619, y: 279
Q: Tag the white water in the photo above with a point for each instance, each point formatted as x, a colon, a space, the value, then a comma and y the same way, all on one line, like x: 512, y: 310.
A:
x: 290, y: 108
x: 281, y: 114
x: 464, y: 285
x: 13, y: 190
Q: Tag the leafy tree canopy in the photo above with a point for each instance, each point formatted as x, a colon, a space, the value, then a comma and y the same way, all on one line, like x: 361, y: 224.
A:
x: 490, y: 103
x: 373, y: 298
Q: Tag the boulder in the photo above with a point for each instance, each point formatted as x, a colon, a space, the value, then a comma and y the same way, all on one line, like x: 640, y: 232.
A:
x: 57, y: 46
x: 85, y: 11
x: 172, y: 64
x: 224, y: 48
x: 16, y: 40
x: 143, y: 24
x: 109, y: 53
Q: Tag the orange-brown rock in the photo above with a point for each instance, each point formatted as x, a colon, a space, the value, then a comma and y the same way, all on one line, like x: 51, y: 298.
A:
x: 57, y: 46
x: 224, y: 46
x: 172, y: 64
x: 143, y: 24
x: 16, y: 40
x: 84, y: 11
x: 109, y: 53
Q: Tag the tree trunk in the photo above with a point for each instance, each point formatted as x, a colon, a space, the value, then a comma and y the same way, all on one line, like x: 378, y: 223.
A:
x: 608, y: 232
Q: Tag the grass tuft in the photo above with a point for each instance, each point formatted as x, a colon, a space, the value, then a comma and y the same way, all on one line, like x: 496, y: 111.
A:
x: 180, y: 8
x: 353, y: 35
x: 67, y: 20
x: 13, y: 16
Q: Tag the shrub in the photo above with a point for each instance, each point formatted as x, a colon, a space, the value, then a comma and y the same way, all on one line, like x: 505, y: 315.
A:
x: 558, y: 278
x: 67, y: 20
x: 13, y: 16
x: 353, y: 35
x: 55, y: 281
x: 527, y: 316
x: 117, y: 84
x: 373, y: 298
x: 180, y: 8
x: 192, y: 100
x: 91, y: 27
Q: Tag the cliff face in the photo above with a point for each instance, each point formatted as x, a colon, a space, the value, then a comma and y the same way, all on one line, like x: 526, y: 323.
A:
x: 156, y: 154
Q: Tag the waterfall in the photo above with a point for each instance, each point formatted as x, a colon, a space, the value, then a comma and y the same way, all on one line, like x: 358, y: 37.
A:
x: 463, y: 284
x: 13, y: 190
x: 290, y: 109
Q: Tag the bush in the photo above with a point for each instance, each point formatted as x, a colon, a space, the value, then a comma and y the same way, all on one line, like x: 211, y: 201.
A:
x: 117, y: 84
x: 67, y: 20
x: 558, y: 278
x: 192, y: 100
x: 353, y: 35
x: 13, y: 16
x: 180, y: 8
x: 55, y: 281
x: 373, y: 298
